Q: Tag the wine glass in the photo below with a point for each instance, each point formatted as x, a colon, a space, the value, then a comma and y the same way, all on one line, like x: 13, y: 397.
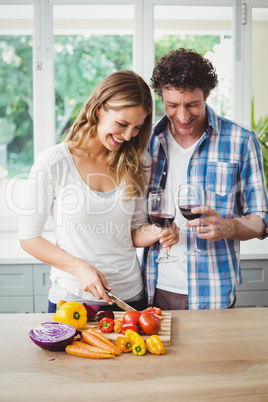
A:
x: 161, y: 211
x: 191, y: 196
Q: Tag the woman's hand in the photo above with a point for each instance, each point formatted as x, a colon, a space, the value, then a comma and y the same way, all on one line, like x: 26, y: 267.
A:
x: 169, y: 236
x: 93, y: 281
x: 90, y: 278
x: 146, y: 235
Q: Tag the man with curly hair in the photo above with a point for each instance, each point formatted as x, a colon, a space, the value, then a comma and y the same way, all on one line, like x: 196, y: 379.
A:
x: 192, y: 144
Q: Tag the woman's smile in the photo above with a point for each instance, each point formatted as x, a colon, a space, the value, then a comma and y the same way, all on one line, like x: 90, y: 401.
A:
x: 117, y: 140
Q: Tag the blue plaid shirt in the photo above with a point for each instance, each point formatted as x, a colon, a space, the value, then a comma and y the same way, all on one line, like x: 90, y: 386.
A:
x: 227, y: 161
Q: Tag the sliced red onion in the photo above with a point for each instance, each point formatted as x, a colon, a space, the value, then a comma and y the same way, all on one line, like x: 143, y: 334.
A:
x: 91, y: 310
x: 107, y: 313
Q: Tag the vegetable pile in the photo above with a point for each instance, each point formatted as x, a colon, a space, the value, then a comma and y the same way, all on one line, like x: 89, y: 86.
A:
x: 64, y: 334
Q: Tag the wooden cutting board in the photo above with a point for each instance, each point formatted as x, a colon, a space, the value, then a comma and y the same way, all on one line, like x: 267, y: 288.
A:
x: 164, y: 333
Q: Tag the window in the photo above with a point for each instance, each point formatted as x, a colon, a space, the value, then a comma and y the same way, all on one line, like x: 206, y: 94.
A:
x: 208, y: 30
x: 90, y: 42
x: 259, y: 82
x: 259, y: 60
x: 16, y: 82
x: 16, y: 104
x: 54, y: 52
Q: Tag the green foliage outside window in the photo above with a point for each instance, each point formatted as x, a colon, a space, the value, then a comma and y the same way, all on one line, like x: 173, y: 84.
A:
x: 80, y: 64
x: 16, y: 106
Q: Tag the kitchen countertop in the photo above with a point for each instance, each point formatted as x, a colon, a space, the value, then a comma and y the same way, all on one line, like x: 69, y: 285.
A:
x: 214, y: 355
x: 12, y: 253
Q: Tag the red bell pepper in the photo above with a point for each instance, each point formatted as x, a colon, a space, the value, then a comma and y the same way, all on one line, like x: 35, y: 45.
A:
x: 157, y: 312
x: 106, y: 324
x: 134, y: 328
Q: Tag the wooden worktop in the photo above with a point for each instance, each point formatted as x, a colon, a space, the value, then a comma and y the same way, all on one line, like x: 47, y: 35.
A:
x: 214, y: 354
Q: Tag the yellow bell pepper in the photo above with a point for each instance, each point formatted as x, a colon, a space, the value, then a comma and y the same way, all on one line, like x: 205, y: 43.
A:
x: 124, y: 344
x: 139, y: 347
x: 60, y: 304
x: 155, y: 345
x: 72, y: 313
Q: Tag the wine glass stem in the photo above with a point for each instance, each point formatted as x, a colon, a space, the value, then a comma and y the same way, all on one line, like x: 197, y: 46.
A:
x: 167, y: 254
x: 194, y: 234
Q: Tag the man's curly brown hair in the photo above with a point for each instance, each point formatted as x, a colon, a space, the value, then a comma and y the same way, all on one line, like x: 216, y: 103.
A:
x: 184, y: 68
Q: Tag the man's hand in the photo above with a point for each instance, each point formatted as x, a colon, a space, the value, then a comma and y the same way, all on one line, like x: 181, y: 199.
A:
x: 214, y: 227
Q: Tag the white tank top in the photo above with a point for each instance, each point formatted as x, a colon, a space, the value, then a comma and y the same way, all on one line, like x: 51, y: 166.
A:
x: 173, y: 276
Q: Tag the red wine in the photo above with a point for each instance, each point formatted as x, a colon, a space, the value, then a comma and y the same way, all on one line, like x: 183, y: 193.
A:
x: 162, y: 220
x: 186, y: 212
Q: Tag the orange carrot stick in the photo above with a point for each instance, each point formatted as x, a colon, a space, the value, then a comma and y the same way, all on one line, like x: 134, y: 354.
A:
x: 95, y: 338
x: 99, y: 335
x: 95, y: 341
x: 84, y: 350
x: 90, y: 347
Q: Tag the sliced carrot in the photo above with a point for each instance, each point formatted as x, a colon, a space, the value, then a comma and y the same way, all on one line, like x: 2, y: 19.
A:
x: 84, y: 350
x: 95, y: 338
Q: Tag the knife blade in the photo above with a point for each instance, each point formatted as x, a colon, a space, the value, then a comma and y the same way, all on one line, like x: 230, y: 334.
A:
x: 120, y: 303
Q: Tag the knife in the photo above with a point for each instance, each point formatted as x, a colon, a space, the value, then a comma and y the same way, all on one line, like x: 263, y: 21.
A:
x: 119, y: 302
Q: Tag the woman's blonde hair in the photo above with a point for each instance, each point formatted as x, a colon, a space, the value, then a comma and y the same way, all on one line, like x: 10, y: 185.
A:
x: 118, y: 90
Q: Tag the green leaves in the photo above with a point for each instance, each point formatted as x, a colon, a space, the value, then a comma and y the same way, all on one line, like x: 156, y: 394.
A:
x: 7, y: 131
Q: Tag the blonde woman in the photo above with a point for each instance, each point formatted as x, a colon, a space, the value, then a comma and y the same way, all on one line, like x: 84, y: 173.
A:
x: 94, y: 186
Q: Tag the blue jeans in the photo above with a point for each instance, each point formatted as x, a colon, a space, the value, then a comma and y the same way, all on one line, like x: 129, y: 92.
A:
x: 51, y: 307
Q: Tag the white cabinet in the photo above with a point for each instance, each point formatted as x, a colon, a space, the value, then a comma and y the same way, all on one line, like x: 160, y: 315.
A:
x: 254, y: 289
x: 24, y: 288
x: 41, y: 283
x: 16, y: 280
x: 40, y: 304
x: 16, y: 304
